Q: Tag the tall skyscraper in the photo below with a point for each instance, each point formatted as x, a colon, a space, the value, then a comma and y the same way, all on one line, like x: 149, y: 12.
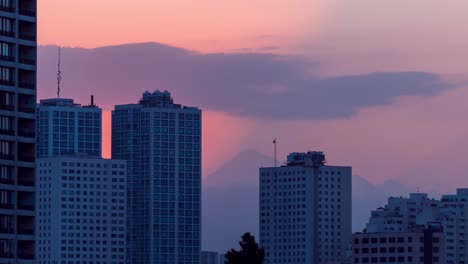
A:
x: 161, y: 142
x: 65, y: 128
x: 17, y: 129
x: 305, y: 211
x: 80, y: 205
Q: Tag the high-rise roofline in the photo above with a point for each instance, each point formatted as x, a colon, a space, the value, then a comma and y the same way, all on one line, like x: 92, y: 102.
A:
x: 62, y: 102
x: 310, y: 158
x: 156, y: 99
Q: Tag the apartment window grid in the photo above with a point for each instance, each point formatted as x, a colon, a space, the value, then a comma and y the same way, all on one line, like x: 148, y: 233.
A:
x: 91, y: 212
x: 178, y: 200
x: 126, y: 145
x: 170, y: 164
x: 89, y: 131
x: 288, y: 197
x: 69, y: 130
x: 17, y: 100
x: 285, y: 215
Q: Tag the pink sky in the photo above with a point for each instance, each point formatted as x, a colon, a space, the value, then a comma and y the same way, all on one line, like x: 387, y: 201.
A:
x: 389, y: 142
x: 201, y: 25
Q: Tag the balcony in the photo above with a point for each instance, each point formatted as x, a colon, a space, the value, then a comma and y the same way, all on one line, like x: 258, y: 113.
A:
x: 7, y: 156
x: 28, y: 134
x: 8, y: 132
x: 7, y: 58
x: 25, y: 109
x: 6, y: 254
x: 27, y: 85
x: 28, y: 183
x: 7, y: 107
x: 27, y: 61
x: 5, y: 33
x: 7, y: 181
x: 22, y: 254
x: 26, y: 231
x: 7, y: 230
x: 6, y: 206
x: 27, y: 12
x: 26, y: 207
x: 7, y: 8
x: 27, y: 36
x: 27, y: 159
x: 7, y: 82
x: 26, y: 176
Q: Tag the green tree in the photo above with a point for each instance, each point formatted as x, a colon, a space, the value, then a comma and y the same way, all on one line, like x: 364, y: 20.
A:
x: 250, y: 252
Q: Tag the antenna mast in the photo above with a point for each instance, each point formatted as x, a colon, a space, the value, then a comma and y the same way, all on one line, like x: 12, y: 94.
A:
x: 59, y: 73
x: 274, y: 142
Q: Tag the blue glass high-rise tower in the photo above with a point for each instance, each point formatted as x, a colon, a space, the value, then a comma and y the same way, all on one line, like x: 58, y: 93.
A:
x: 66, y: 128
x: 161, y: 142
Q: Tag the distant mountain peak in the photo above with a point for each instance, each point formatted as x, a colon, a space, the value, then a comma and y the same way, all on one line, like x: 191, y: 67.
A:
x: 241, y: 169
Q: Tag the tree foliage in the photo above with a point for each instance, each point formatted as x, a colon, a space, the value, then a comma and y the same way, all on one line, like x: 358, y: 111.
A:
x: 249, y: 253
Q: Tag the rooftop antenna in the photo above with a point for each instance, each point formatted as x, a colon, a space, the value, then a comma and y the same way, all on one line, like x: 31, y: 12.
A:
x: 274, y: 143
x: 59, y: 73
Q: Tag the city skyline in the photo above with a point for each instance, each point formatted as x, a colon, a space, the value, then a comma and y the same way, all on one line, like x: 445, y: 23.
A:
x: 323, y: 39
x: 380, y: 86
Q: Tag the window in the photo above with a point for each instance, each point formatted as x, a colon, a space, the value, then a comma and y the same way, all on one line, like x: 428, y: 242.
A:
x: 6, y: 25
x: 6, y: 76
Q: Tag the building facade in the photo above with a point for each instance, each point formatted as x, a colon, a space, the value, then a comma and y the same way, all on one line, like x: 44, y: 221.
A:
x: 424, y: 245
x: 18, y: 52
x: 402, y: 214
x: 66, y: 128
x: 305, y: 211
x: 209, y: 257
x: 454, y: 210
x: 161, y: 142
x: 81, y: 207
x: 405, y: 230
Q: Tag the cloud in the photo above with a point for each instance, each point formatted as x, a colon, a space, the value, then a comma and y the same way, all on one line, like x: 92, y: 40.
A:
x: 240, y: 84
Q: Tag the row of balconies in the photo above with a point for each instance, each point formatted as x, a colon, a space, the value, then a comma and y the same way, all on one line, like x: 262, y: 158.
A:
x: 26, y: 7
x: 26, y: 30
x: 25, y: 176
x: 25, y: 127
x: 20, y: 200
x: 25, y: 104
x: 25, y: 151
x: 25, y: 249
x: 27, y: 54
x: 27, y: 80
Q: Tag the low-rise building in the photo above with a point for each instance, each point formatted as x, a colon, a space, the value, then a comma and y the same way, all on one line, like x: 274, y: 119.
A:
x: 406, y: 230
x: 419, y: 245
x: 208, y: 257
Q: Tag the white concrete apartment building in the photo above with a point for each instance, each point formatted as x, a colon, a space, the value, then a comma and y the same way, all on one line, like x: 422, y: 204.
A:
x: 402, y: 214
x: 406, y: 230
x: 81, y: 205
x: 305, y: 210
x: 454, y: 210
x: 423, y: 245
